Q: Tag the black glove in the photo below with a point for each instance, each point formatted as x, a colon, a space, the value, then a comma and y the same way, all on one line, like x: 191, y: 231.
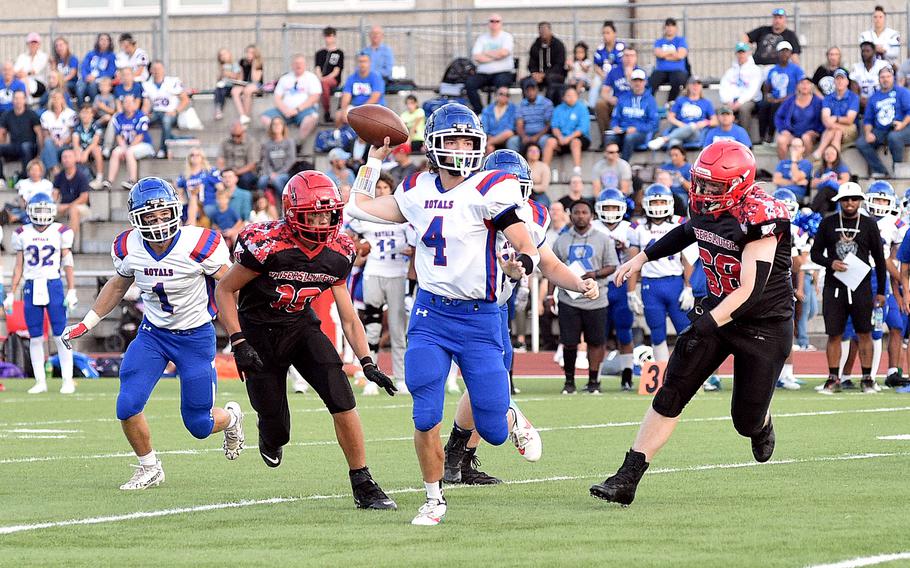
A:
x: 247, y: 360
x: 373, y: 374
x: 703, y: 324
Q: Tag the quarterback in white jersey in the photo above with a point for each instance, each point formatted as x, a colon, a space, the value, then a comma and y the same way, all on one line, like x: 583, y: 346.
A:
x: 457, y: 213
x: 665, y: 288
x: 44, y: 250
x: 175, y: 268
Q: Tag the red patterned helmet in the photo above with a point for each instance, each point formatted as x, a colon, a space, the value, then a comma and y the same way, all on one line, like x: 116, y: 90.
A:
x: 722, y: 176
x: 308, y: 196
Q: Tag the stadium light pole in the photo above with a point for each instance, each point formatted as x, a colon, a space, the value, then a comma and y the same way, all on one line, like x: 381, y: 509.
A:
x: 165, y: 56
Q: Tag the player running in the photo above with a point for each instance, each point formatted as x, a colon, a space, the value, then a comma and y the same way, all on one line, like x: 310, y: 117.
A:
x: 175, y: 268
x: 280, y: 267
x: 460, y: 451
x: 457, y: 212
x: 611, y: 208
x: 665, y: 289
x: 44, y: 249
x: 744, y: 239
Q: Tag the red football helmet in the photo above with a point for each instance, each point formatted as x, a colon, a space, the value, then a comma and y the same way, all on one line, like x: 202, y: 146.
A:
x: 722, y: 176
x: 308, y: 195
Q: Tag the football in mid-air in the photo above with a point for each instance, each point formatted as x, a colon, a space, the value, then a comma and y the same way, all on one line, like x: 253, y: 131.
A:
x: 374, y: 122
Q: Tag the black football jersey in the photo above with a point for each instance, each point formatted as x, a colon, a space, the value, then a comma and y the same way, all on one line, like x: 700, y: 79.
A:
x: 290, y: 277
x: 721, y: 241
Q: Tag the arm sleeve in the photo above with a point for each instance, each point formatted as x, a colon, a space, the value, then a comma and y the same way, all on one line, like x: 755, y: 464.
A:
x: 671, y: 243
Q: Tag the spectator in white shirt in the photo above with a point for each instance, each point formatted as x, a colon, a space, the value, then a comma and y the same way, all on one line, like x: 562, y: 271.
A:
x: 27, y: 187
x: 57, y: 122
x: 493, y: 56
x: 865, y: 73
x: 31, y: 66
x: 887, y: 41
x: 165, y: 98
x: 133, y: 57
x: 296, y: 99
x: 740, y: 87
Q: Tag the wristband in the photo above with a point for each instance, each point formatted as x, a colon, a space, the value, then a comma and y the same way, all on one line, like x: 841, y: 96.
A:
x: 365, y: 361
x: 91, y: 319
x: 367, y: 176
x: 237, y: 337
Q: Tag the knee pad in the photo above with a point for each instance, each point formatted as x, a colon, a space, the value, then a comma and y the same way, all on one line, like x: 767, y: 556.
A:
x: 198, y: 421
x: 128, y: 405
x: 426, y: 419
x: 667, y: 402
x: 493, y: 434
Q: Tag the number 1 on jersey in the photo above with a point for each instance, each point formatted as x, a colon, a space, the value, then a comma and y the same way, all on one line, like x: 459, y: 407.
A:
x: 433, y: 239
x: 162, y: 297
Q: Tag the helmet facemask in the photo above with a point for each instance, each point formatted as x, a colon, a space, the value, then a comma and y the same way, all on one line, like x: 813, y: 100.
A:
x: 713, y: 196
x: 317, y: 224
x: 885, y: 205
x: 456, y: 161
x: 610, y: 212
x: 42, y: 213
x: 156, y: 228
x: 658, y: 207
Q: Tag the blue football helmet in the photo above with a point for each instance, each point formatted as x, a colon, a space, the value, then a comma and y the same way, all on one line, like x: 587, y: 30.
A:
x: 880, y: 199
x: 512, y: 162
x: 905, y: 203
x: 150, y: 195
x: 41, y: 209
x: 789, y: 199
x: 451, y: 120
x: 611, y: 206
x: 657, y: 201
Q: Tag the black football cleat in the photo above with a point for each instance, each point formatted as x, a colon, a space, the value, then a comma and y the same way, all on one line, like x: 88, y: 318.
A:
x: 763, y: 443
x: 895, y: 380
x: 620, y: 487
x: 568, y: 388
x: 455, y: 451
x: 470, y: 475
x: 626, y: 382
x: 367, y: 493
x: 847, y: 384
x: 271, y: 458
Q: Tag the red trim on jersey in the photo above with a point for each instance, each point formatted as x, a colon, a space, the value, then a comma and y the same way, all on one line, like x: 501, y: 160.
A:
x: 120, y: 244
x: 409, y: 182
x: 206, y: 245
x: 492, y: 179
x: 540, y: 212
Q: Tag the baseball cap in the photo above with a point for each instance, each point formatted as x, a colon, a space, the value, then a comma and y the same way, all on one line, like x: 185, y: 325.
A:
x: 778, y: 12
x: 840, y: 72
x: 694, y: 79
x: 670, y: 22
x: 724, y: 110
x: 743, y: 46
x: 338, y: 154
x: 33, y: 36
x: 638, y: 74
x: 782, y: 45
x: 402, y: 148
x: 849, y: 189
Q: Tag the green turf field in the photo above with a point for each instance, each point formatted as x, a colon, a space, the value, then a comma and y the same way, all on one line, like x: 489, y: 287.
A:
x: 832, y: 492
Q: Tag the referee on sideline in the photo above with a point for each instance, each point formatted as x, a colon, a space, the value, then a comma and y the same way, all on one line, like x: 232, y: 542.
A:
x: 839, y: 235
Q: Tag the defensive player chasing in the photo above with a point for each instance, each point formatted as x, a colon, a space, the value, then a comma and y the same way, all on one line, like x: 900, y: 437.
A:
x: 460, y: 451
x: 43, y: 248
x: 174, y: 268
x: 281, y: 266
x: 744, y: 238
x: 457, y: 212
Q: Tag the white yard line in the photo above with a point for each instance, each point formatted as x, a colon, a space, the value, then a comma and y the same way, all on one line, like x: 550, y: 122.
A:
x: 12, y: 529
x: 895, y: 437
x: 865, y: 561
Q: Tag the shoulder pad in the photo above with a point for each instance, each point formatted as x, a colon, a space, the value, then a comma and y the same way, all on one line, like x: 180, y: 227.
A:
x: 265, y: 239
x: 343, y: 245
x: 758, y: 208
x: 120, y: 240
x: 540, y: 212
x: 492, y: 179
x: 409, y: 182
x: 206, y: 245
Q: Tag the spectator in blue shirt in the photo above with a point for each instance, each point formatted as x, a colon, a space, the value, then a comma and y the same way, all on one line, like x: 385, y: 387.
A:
x: 670, y: 51
x: 97, y: 63
x: 827, y: 178
x: 800, y: 116
x: 199, y: 182
x: 616, y: 83
x: 532, y: 121
x: 634, y: 118
x: 380, y: 54
x: 225, y: 219
x: 361, y: 88
x: 607, y: 56
x: 680, y: 171
x: 885, y: 122
x: 9, y: 84
x: 67, y: 64
x: 839, y: 110
x: 498, y: 119
x: 727, y: 129
x: 780, y: 84
x: 794, y: 172
x: 688, y: 118
x: 571, y: 129
x: 133, y: 142
x: 339, y: 172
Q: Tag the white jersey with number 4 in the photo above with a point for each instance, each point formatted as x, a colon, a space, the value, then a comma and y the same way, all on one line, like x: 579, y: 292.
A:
x: 387, y: 246
x: 177, y: 287
x: 42, y: 250
x: 456, y: 246
x: 622, y: 238
x: 644, y: 235
x: 537, y: 219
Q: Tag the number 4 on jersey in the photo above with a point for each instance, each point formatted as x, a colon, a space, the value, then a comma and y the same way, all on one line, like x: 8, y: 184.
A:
x: 433, y: 239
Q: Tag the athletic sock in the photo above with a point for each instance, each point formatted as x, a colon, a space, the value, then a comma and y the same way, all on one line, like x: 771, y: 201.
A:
x: 459, y: 432
x: 867, y: 372
x: 36, y: 352
x: 434, y: 490
x: 833, y: 371
x: 626, y: 360
x: 149, y: 459
x: 876, y: 355
x: 592, y: 376
x: 661, y: 351
x: 66, y: 359
x: 892, y: 370
x: 569, y: 355
x: 787, y: 371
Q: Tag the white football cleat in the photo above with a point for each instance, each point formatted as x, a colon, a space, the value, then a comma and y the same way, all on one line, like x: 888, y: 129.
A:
x: 233, y: 436
x: 145, y: 477
x: 525, y: 437
x: 38, y: 388
x: 370, y: 389
x: 430, y: 513
x: 301, y: 386
x: 788, y: 383
x: 68, y: 387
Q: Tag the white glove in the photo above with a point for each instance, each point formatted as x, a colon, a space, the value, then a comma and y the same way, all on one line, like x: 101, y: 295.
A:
x: 686, y: 299
x: 71, y: 300
x: 8, y: 302
x: 635, y: 303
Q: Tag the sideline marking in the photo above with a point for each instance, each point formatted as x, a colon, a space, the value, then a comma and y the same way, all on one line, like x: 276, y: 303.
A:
x: 865, y: 561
